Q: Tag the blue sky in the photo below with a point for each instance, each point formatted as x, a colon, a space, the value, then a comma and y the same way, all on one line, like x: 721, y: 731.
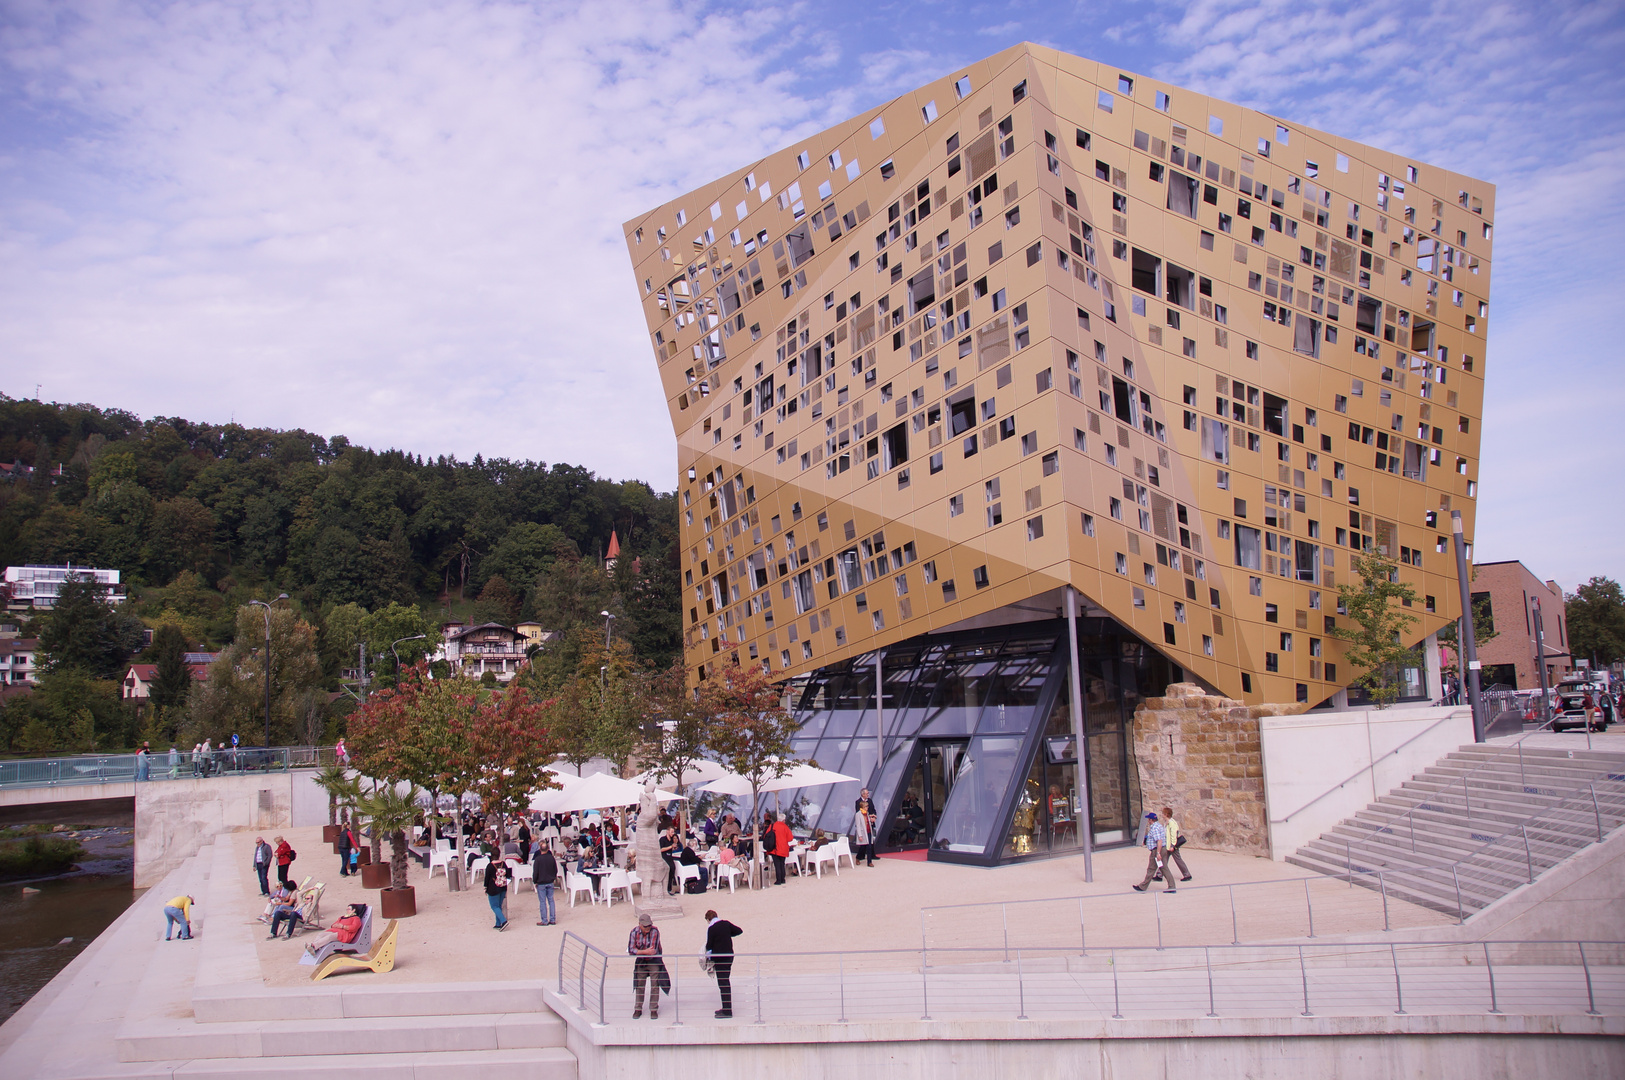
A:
x: 401, y: 222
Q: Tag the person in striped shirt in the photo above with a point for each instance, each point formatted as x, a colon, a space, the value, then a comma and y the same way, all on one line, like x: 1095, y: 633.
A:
x: 1156, y: 846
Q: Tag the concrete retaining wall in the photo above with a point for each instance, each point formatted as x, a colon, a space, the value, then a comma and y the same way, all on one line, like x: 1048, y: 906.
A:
x: 174, y: 819
x: 1312, y: 755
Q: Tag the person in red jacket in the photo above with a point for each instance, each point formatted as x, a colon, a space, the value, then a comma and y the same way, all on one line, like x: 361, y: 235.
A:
x: 284, y: 858
x: 779, y: 833
x: 344, y: 930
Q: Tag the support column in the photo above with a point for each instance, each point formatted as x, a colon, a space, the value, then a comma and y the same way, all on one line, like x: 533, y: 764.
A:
x: 1086, y: 821
x: 1469, y: 648
x: 880, y: 724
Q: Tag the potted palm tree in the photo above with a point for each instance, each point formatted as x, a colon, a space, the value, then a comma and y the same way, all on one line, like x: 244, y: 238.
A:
x: 392, y: 812
x: 341, y: 789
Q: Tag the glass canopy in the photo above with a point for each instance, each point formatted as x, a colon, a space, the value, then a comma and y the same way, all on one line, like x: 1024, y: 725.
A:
x: 972, y: 757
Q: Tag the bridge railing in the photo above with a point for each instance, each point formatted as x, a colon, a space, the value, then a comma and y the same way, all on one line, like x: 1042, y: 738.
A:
x: 125, y: 768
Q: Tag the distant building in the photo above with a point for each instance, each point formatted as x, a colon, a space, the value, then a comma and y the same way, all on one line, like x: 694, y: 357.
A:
x: 533, y: 633
x: 475, y: 650
x: 614, y: 551
x: 138, y: 680
x: 18, y: 661
x: 36, y: 587
x: 1509, y: 657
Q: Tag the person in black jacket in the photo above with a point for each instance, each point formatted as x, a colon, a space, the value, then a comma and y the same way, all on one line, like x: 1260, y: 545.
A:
x: 719, y: 948
x: 545, y: 874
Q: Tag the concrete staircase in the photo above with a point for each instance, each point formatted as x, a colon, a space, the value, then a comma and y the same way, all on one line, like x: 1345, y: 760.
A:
x: 137, y: 1007
x: 1431, y: 836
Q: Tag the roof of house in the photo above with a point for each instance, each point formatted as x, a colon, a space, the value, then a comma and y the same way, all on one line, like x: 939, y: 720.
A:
x: 614, y: 546
x: 484, y: 626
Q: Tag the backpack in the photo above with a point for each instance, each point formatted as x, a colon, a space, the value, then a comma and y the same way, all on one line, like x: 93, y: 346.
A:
x: 292, y: 854
x: 770, y: 842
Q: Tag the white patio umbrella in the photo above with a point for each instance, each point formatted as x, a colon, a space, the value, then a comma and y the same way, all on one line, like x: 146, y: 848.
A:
x: 800, y: 775
x: 698, y: 772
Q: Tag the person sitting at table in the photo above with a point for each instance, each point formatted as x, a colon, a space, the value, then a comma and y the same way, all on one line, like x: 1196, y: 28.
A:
x: 591, y: 861
x: 687, y: 856
x: 819, y: 839
x: 730, y: 830
x: 668, y: 852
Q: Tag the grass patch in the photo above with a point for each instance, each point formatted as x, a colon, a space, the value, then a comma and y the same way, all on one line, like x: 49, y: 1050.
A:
x: 38, y: 856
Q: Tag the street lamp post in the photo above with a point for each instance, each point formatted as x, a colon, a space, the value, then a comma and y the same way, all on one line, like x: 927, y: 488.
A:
x: 397, y: 641
x: 267, y: 607
x: 607, y: 617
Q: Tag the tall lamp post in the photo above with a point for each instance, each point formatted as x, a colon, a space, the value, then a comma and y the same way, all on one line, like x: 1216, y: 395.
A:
x: 267, y: 607
x: 607, y: 617
x: 397, y: 641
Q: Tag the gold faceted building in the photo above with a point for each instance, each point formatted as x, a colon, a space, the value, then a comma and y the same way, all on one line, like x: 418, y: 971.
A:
x: 1045, y: 323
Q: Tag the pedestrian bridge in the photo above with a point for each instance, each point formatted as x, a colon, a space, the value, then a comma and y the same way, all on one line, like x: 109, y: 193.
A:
x: 176, y: 803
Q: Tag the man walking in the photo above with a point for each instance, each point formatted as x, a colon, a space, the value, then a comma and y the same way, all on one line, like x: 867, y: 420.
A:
x: 719, y: 949
x: 1171, y: 827
x: 262, y: 863
x: 545, y: 874
x: 644, y: 944
x: 864, y: 821
x: 1156, y: 845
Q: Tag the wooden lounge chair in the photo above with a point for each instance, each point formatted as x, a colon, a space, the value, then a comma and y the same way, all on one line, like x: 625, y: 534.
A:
x: 380, y: 958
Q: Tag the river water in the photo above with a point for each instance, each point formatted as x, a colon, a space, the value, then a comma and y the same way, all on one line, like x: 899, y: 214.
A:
x: 41, y: 933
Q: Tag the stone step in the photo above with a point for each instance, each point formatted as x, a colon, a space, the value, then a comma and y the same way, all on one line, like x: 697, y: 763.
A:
x: 534, y: 1063
x: 282, y: 1039
x: 331, y: 1001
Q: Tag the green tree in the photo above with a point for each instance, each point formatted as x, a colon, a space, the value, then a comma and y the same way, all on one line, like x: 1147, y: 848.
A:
x: 70, y: 710
x: 1596, y: 618
x: 172, y: 681
x: 1483, y: 631
x: 1374, y: 644
x: 84, y: 631
x: 392, y: 811
x: 232, y: 699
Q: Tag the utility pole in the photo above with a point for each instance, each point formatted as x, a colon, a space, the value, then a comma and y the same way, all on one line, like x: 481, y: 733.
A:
x: 1083, y: 813
x: 1540, y: 665
x: 1468, y: 637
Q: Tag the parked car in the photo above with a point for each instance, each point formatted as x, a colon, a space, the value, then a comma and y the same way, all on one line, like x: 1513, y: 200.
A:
x: 1582, y: 700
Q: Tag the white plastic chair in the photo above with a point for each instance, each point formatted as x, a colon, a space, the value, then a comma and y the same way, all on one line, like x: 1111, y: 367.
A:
x: 728, y: 872
x: 685, y: 874
x: 521, y: 872
x: 443, y: 858
x: 843, y: 849
x: 617, y: 879
x: 637, y: 882
x: 578, y: 883
x: 443, y: 843
x: 476, y: 869
x: 829, y: 853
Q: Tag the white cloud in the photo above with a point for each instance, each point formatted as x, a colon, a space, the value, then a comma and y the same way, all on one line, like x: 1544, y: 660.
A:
x: 399, y: 224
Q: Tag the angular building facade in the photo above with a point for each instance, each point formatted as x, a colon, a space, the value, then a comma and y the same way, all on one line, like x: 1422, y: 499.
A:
x: 1047, y: 335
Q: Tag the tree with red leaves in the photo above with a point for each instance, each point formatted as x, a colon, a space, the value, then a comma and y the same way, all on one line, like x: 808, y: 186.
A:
x: 749, y: 730
x: 509, y: 736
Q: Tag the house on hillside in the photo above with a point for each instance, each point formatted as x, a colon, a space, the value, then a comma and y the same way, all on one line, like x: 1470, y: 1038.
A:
x: 36, y: 587
x: 475, y: 650
x: 138, y: 679
x: 18, y: 661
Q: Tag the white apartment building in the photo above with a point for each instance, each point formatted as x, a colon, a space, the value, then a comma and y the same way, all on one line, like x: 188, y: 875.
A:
x: 38, y: 586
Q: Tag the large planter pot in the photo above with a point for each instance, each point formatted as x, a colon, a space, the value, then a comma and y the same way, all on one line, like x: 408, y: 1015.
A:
x: 398, y: 903
x: 330, y: 833
x: 375, y: 876
x: 366, y: 855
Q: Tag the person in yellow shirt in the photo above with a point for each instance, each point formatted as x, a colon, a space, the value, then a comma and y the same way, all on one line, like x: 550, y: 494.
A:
x: 178, y: 912
x: 1174, y: 857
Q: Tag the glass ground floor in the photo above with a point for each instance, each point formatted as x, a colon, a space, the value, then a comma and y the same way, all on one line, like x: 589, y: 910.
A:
x: 969, y: 751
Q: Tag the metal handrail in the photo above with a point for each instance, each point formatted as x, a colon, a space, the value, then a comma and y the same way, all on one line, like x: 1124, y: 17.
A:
x: 1375, y: 879
x: 126, y: 768
x: 1466, y: 792
x: 1363, y: 771
x: 846, y: 986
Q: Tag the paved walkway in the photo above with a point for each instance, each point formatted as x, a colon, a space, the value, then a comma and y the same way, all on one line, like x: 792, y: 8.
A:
x: 452, y: 936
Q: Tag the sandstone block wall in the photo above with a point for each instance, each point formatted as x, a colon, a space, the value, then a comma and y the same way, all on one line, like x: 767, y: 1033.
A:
x: 1201, y: 755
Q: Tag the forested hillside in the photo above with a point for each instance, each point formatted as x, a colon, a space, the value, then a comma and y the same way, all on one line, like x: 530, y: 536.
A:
x: 203, y: 517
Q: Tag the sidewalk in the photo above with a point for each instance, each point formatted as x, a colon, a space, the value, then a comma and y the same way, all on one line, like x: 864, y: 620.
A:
x: 451, y: 939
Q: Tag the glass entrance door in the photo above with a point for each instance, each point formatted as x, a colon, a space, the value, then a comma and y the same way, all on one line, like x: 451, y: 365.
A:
x: 930, y: 782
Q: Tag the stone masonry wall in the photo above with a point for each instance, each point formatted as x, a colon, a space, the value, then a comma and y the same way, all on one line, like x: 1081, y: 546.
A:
x: 1201, y: 755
